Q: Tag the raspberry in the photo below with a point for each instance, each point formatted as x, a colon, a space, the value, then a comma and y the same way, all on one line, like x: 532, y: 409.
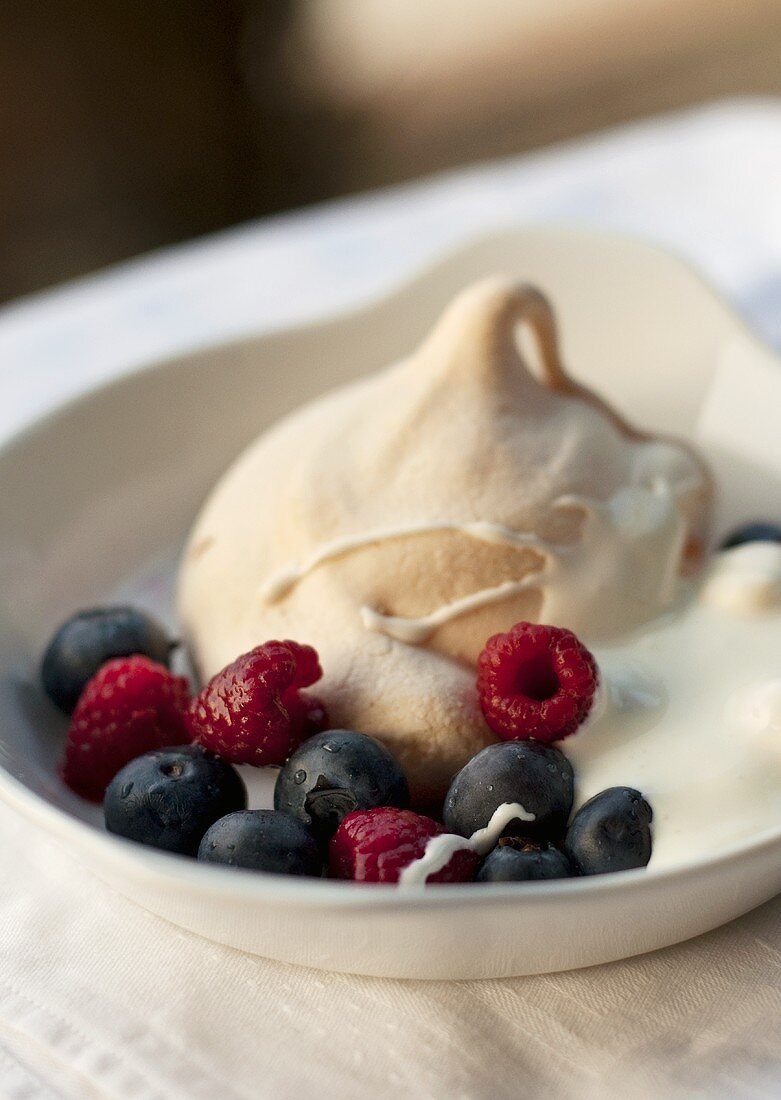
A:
x: 536, y: 682
x: 376, y: 845
x: 253, y: 712
x: 130, y: 706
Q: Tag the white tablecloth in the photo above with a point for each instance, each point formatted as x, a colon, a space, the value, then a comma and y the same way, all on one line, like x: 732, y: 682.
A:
x: 100, y: 999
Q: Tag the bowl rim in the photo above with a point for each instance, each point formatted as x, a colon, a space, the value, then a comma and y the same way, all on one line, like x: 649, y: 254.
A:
x: 246, y: 885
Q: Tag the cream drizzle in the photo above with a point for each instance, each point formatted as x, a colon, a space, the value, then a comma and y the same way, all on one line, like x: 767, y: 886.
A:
x: 286, y: 579
x: 633, y: 515
x: 415, y: 631
x: 441, y: 849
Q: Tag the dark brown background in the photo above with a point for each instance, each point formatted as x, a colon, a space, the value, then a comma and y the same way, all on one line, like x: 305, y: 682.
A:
x: 124, y: 126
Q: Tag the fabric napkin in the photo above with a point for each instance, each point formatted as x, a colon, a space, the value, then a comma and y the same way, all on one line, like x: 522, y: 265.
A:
x: 99, y: 998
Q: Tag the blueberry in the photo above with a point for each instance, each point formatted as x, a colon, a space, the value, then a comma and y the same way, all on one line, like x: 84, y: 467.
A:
x: 751, y: 532
x: 170, y: 797
x: 610, y: 832
x: 537, y: 776
x: 517, y: 860
x: 89, y: 639
x: 262, y: 840
x: 334, y: 773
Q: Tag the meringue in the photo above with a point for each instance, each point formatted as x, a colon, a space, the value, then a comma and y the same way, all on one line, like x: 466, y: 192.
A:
x: 395, y: 524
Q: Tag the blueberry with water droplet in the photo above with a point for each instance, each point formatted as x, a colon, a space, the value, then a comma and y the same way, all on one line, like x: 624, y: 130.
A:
x: 610, y: 832
x: 334, y: 773
x: 168, y: 798
x: 537, y: 776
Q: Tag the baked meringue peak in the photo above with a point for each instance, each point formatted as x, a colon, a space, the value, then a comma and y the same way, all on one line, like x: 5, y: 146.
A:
x: 395, y: 524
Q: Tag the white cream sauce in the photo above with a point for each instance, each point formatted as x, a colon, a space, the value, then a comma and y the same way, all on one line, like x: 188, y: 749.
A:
x: 692, y: 716
x: 745, y: 579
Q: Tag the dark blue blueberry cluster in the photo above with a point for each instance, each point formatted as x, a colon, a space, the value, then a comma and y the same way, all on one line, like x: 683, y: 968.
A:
x: 611, y: 832
x: 188, y: 801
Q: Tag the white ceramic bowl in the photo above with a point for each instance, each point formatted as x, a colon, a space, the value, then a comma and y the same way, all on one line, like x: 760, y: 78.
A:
x: 95, y: 502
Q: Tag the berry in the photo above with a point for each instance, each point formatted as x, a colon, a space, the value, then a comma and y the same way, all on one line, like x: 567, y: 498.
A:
x: 376, y: 845
x: 539, y: 777
x: 170, y: 797
x: 536, y: 682
x: 610, y: 832
x: 130, y: 706
x: 335, y: 773
x: 518, y: 860
x: 253, y: 712
x: 89, y: 639
x: 751, y: 532
x: 262, y: 840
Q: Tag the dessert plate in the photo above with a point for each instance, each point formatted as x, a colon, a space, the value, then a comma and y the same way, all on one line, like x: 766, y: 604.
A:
x: 97, y: 498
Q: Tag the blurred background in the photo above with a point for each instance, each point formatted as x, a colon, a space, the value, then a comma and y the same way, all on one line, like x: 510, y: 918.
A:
x: 124, y: 127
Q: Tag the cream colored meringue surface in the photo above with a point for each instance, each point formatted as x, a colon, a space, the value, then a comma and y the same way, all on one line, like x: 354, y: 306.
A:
x: 397, y: 523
